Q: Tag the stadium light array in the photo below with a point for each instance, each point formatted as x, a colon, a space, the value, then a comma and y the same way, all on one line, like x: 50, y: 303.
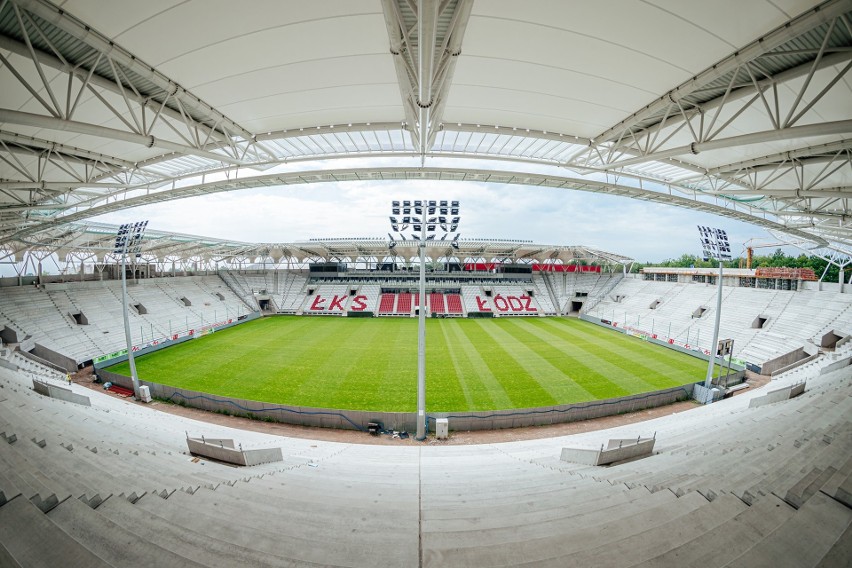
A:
x: 426, y: 219
x: 129, y: 241
x: 715, y: 245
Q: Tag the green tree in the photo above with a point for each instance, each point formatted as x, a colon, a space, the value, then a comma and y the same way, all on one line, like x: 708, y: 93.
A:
x: 777, y: 259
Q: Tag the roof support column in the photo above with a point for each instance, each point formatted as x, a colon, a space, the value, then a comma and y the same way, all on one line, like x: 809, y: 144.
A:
x: 427, y: 18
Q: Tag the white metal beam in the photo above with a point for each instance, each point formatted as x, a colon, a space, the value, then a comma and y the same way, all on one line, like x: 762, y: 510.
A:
x: 427, y: 21
x: 819, y: 15
x: 83, y: 33
x: 742, y: 212
x: 789, y: 133
x: 69, y: 152
x: 149, y: 141
x: 813, y: 154
x: 424, y: 55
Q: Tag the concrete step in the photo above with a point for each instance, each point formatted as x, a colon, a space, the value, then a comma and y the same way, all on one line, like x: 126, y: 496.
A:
x: 183, y: 540
x: 804, y: 539
x: 274, y: 535
x: 526, y: 512
x: 32, y: 539
x: 644, y: 545
x: 728, y: 540
x: 574, y: 495
x: 840, y: 554
x: 527, y: 544
x: 808, y: 485
x: 843, y: 493
x: 110, y: 541
x: 8, y: 489
x: 318, y: 515
x: 6, y: 558
x: 832, y: 485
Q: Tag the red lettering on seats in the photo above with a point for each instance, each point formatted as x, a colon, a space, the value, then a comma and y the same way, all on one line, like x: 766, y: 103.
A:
x: 337, y: 301
x: 500, y: 303
x: 515, y: 303
x: 528, y: 307
x: 359, y: 303
x: 317, y: 303
x: 482, y: 305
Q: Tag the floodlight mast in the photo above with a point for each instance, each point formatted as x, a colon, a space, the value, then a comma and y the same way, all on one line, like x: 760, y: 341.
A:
x: 716, y: 246
x: 129, y: 240
x: 428, y: 216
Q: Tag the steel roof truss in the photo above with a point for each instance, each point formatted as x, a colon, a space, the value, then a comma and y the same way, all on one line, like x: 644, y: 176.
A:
x: 782, y: 115
x: 115, y: 81
x: 812, y: 20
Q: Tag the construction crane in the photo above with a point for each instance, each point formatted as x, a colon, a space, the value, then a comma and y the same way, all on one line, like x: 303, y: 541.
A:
x: 749, y: 247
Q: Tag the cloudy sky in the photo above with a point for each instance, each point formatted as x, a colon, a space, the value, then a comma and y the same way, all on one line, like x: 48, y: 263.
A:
x: 644, y: 231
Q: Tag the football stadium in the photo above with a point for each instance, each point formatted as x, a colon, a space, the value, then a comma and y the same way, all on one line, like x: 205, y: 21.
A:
x: 175, y: 391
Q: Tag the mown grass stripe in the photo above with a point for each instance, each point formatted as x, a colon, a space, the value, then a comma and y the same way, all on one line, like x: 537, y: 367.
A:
x: 371, y: 364
x: 463, y: 385
x: 631, y: 354
x: 598, y: 357
x: 526, y: 366
x: 631, y: 343
x: 488, y: 392
x: 630, y: 371
x: 575, y: 366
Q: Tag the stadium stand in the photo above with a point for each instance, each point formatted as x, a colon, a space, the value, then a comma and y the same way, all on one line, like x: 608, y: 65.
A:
x: 288, y: 288
x: 475, y: 299
x: 404, y: 302
x: 791, y: 320
x: 454, y: 304
x: 729, y: 109
x: 155, y: 311
x: 543, y: 296
x: 328, y: 299
x: 292, y: 285
x: 513, y: 300
x: 568, y: 287
x: 369, y: 297
x: 436, y: 303
x: 728, y: 485
x: 387, y: 304
x: 767, y: 325
x: 293, y: 295
x: 284, y: 287
x: 258, y: 283
x: 237, y: 286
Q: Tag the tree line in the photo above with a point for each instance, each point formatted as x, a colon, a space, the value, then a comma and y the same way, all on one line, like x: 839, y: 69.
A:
x: 778, y: 259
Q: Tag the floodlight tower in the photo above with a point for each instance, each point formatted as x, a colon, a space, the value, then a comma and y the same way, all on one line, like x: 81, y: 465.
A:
x: 716, y: 246
x: 425, y: 218
x: 129, y: 241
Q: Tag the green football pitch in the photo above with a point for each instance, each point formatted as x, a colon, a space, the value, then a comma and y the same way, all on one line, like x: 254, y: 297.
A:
x: 371, y: 363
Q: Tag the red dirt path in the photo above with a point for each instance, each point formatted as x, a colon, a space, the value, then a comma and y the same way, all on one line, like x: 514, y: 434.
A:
x: 85, y: 376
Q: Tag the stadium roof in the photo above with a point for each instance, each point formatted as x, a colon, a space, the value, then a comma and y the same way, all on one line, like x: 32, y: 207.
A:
x: 96, y: 240
x: 736, y: 108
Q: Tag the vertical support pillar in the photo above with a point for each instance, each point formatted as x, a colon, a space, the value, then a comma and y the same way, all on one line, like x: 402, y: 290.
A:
x: 709, y: 380
x: 421, y: 336
x: 130, y: 358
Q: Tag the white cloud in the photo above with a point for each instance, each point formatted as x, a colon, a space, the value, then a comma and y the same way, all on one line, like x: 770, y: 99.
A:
x: 643, y: 230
